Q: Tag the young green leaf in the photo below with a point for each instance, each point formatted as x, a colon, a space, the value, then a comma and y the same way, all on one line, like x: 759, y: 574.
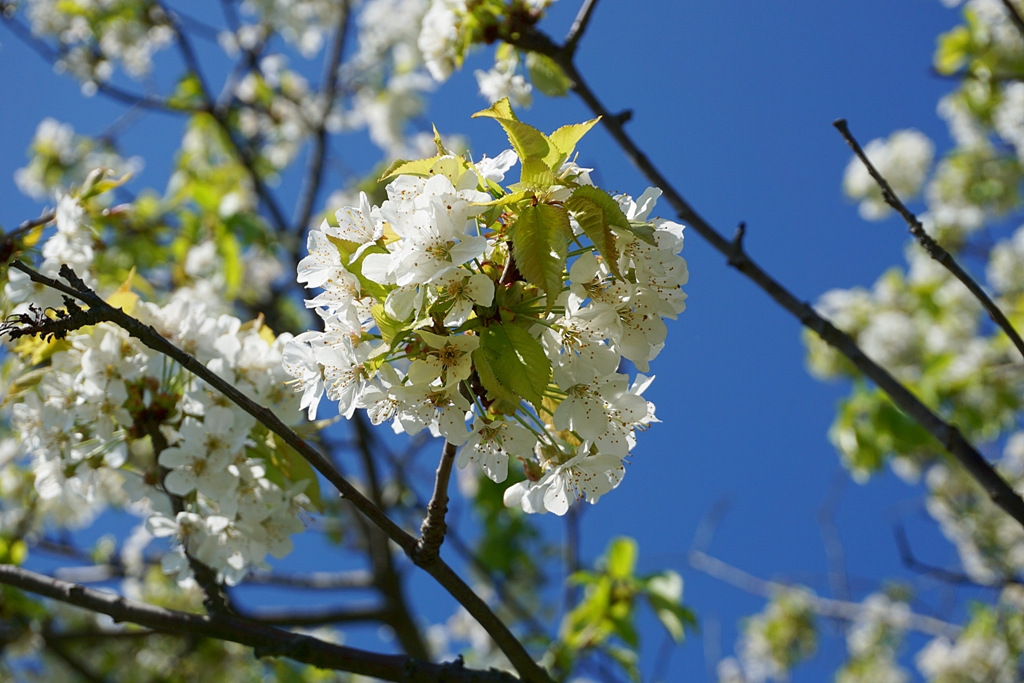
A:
x: 546, y: 75
x: 566, y: 137
x: 388, y: 326
x: 594, y: 222
x: 536, y: 175
x: 505, y: 400
x: 540, y: 243
x: 517, y: 360
x: 527, y: 141
x: 621, y: 557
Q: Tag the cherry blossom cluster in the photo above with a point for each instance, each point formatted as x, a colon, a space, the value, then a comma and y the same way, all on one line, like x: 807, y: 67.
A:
x: 103, y: 420
x: 429, y: 322
x: 92, y: 36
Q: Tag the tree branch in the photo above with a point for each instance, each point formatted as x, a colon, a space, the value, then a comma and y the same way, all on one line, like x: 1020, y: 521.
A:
x: 949, y: 436
x: 1015, y: 16
x: 579, y: 27
x: 385, y: 577
x: 826, y: 607
x: 452, y: 582
x: 244, y: 156
x: 317, y: 617
x: 266, y: 641
x: 934, y: 249
x: 433, y: 529
x: 911, y: 562
x: 318, y: 155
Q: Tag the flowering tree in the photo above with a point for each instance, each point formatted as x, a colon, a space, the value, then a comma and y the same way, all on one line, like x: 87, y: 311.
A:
x: 179, y: 357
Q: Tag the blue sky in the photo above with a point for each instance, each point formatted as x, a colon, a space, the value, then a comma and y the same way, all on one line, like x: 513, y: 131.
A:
x: 734, y: 102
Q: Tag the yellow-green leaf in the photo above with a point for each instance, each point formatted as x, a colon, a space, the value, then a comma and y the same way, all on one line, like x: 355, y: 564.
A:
x: 621, y: 557
x: 504, y: 400
x: 527, y: 141
x: 594, y: 222
x: 566, y: 138
x: 546, y: 75
x: 540, y: 238
x: 517, y: 360
x: 388, y: 326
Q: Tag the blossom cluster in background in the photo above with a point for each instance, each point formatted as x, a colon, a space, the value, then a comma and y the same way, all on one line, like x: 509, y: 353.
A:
x: 109, y: 422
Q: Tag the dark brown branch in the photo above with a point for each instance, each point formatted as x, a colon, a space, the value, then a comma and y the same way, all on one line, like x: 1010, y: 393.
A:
x: 579, y: 26
x: 434, y: 527
x: 452, y: 582
x: 318, y: 155
x: 949, y: 436
x: 265, y: 640
x: 317, y: 617
x: 1015, y: 16
x: 934, y: 249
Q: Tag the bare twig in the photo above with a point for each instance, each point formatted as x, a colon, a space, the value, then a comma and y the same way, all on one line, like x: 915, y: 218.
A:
x: 934, y: 249
x: 113, y: 92
x: 266, y: 641
x: 385, y: 577
x: 826, y: 607
x: 318, y: 155
x: 434, y: 527
x: 826, y: 514
x: 944, y: 575
x: 579, y: 26
x: 946, y: 434
x: 1015, y: 16
x: 245, y: 157
x: 452, y: 582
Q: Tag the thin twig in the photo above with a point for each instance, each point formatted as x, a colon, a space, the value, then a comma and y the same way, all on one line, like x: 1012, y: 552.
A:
x: 452, y: 582
x: 433, y: 529
x: 944, y: 575
x: 934, y: 249
x: 244, y: 156
x: 266, y: 641
x: 1015, y: 16
x: 113, y: 92
x: 949, y: 436
x: 317, y: 156
x: 314, y: 580
x: 579, y: 26
x: 826, y: 514
x: 826, y: 607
